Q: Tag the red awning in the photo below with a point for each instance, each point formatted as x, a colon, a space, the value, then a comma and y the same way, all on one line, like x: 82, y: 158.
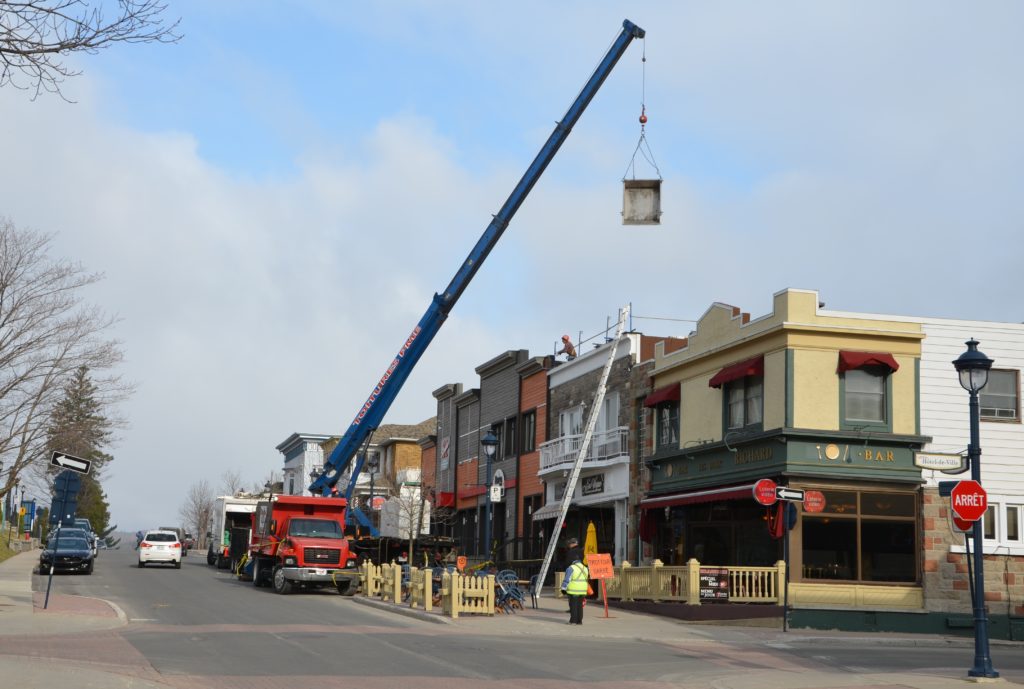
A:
x: 669, y: 393
x: 849, y: 361
x: 750, y: 367
x: 445, y: 499
x: 694, y: 497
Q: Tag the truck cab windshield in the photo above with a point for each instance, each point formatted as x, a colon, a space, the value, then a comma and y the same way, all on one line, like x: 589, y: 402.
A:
x: 315, y: 528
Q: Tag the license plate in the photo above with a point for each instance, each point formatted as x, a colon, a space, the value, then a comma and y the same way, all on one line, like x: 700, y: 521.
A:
x: 320, y: 572
x: 159, y: 547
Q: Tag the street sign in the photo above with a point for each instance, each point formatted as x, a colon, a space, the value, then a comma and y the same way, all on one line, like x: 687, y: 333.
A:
x: 784, y: 493
x: 764, y: 491
x: 969, y: 500
x: 962, y: 525
x: 599, y: 566
x: 66, y: 485
x: 814, y: 501
x: 941, y: 461
x: 65, y: 461
x: 496, y: 493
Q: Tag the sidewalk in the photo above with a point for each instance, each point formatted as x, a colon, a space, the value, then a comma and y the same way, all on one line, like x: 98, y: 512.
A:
x: 551, y: 616
x: 22, y: 613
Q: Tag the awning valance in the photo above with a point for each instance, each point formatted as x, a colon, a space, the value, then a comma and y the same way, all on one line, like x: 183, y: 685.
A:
x: 669, y: 393
x: 698, y: 496
x: 549, y: 511
x: 750, y: 367
x: 849, y: 361
x: 445, y: 499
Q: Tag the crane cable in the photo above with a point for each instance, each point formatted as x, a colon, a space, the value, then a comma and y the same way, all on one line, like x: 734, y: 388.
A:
x: 642, y: 147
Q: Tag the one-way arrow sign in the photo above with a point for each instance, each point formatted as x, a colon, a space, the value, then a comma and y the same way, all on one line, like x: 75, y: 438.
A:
x: 783, y: 493
x: 59, y: 459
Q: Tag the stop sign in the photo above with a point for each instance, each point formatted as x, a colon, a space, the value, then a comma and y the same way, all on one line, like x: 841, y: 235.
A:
x: 764, y: 491
x: 968, y: 500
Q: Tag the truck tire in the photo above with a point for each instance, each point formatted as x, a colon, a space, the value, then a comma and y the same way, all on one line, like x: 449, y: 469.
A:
x: 346, y: 588
x: 257, y: 573
x: 281, y: 585
x: 222, y: 562
x: 211, y: 559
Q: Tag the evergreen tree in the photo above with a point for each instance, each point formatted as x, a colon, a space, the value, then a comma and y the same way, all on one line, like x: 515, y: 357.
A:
x: 78, y: 427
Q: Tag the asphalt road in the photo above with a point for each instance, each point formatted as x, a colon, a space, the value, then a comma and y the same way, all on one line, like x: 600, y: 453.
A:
x: 198, y: 626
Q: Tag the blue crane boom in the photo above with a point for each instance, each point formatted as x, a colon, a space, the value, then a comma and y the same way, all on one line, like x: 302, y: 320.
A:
x: 384, y: 393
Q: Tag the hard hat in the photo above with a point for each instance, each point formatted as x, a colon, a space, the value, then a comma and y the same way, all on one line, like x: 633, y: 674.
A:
x: 565, y: 337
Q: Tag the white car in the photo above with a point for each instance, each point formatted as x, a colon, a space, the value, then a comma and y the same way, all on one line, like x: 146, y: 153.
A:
x: 160, y: 546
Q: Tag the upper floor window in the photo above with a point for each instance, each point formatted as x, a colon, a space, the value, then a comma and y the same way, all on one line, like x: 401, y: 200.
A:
x: 609, y: 416
x: 742, y: 392
x: 745, y: 402
x: 865, y: 388
x: 529, y: 432
x: 570, y: 422
x: 509, y: 442
x: 865, y: 395
x: 667, y: 421
x: 999, y: 398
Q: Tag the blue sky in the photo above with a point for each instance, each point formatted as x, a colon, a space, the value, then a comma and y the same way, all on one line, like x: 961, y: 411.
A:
x: 274, y: 199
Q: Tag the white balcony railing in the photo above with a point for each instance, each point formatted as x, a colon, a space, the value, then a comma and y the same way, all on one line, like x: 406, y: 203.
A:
x: 603, y: 446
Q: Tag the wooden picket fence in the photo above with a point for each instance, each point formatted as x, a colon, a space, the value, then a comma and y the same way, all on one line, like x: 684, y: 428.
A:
x: 461, y: 594
x: 661, y: 583
x: 419, y: 589
x: 467, y: 594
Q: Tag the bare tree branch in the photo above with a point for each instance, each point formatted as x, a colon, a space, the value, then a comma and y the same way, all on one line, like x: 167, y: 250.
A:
x: 197, y: 511
x: 46, y: 334
x: 36, y: 35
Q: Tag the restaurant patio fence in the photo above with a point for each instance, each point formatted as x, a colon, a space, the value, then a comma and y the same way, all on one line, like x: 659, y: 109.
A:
x: 694, y: 583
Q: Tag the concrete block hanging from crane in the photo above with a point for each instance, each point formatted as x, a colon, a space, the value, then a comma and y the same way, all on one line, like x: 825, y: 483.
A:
x: 641, y: 198
x: 641, y: 202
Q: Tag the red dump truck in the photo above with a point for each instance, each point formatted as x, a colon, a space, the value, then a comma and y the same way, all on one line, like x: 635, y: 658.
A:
x: 299, y: 541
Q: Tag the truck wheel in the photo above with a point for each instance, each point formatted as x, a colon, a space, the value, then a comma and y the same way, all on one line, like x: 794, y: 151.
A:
x: 257, y: 574
x: 211, y: 559
x: 222, y: 562
x: 346, y: 588
x: 281, y: 585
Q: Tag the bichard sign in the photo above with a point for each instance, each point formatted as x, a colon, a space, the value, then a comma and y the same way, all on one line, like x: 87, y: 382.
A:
x: 969, y: 500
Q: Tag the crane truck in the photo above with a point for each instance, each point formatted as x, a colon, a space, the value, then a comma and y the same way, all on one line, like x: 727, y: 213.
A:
x: 351, y: 449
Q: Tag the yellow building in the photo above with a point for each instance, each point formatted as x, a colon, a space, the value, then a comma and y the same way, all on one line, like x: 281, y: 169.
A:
x: 823, y: 403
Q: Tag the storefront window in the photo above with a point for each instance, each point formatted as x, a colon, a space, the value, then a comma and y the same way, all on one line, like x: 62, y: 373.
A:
x: 862, y: 536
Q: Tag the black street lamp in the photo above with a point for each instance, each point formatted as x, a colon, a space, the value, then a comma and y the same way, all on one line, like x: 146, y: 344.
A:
x: 973, y: 367
x: 490, y: 444
x: 10, y: 522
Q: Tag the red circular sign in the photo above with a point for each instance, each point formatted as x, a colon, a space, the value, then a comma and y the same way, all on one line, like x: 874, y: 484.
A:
x: 764, y: 491
x: 962, y: 525
x: 969, y: 500
x: 814, y: 501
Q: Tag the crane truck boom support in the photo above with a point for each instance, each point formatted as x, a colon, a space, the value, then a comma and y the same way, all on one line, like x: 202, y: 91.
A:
x: 377, y: 404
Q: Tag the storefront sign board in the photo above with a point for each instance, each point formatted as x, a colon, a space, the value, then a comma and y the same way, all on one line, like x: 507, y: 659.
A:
x: 714, y: 583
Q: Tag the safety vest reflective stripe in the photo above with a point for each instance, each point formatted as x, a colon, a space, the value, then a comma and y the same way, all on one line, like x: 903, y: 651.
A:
x: 577, y: 585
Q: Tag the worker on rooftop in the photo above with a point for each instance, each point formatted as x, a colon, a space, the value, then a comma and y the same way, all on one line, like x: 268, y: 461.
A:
x: 567, y: 349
